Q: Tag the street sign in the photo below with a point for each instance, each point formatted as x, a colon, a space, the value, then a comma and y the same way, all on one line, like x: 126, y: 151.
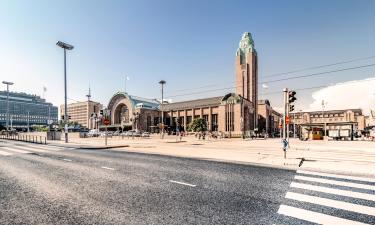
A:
x: 106, y: 122
x: 287, y: 120
x: 49, y: 122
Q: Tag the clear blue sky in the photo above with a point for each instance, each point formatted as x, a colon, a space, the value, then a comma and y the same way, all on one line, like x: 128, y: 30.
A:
x: 188, y: 43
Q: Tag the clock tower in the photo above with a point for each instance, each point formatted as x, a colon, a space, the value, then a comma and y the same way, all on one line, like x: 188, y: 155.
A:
x: 247, y: 73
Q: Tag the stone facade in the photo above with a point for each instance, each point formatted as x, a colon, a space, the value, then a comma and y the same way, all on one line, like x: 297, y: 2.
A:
x: 234, y: 113
x: 268, y: 118
x: 333, y: 119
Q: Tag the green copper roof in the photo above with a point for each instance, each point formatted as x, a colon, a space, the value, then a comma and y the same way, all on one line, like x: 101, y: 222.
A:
x: 246, y: 45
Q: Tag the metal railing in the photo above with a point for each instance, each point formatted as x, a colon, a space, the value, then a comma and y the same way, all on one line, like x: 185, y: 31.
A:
x: 25, y: 138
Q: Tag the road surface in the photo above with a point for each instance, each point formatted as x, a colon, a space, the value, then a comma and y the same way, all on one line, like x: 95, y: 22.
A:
x: 42, y: 184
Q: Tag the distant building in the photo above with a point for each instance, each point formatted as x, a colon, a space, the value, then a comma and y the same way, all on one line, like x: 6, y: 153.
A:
x: 81, y: 112
x: 26, y: 109
x: 351, y: 120
x: 268, y: 118
x: 233, y: 113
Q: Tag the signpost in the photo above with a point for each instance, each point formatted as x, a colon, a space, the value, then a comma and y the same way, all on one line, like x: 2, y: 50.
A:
x: 106, y: 122
x: 287, y: 120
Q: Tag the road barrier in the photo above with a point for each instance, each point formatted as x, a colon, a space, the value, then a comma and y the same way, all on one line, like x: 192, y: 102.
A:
x: 25, y: 138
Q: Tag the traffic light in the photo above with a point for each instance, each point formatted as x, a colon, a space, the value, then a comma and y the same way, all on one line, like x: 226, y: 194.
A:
x: 69, y: 117
x: 291, y: 108
x: 101, y: 112
x: 291, y: 96
x: 62, y: 117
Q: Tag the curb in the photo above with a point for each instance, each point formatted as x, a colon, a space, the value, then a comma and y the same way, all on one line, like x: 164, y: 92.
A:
x: 88, y: 147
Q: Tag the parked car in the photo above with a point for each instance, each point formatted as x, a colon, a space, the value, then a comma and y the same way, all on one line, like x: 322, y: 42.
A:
x: 93, y: 133
x: 137, y: 134
x: 146, y: 134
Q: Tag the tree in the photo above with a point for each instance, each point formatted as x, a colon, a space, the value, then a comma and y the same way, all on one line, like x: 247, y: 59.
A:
x: 198, y: 125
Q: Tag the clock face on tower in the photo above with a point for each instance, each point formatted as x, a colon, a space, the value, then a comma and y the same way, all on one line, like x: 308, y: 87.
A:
x: 244, y: 44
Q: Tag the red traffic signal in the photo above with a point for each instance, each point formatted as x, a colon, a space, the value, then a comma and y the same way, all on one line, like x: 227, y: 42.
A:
x: 291, y: 96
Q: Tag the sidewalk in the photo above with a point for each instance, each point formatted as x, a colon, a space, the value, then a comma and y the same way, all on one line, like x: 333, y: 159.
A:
x: 352, y: 158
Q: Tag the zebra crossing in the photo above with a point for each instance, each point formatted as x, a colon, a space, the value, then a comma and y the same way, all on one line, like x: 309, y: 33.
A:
x: 326, y: 198
x: 10, y: 150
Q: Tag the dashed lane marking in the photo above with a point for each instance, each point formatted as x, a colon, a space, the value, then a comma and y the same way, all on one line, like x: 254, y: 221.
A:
x: 183, y: 183
x: 107, y: 168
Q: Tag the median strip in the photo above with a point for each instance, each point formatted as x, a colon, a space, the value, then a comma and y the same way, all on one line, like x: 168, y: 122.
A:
x: 183, y: 183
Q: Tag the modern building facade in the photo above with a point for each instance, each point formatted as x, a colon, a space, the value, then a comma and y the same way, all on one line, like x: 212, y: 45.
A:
x: 81, y: 112
x: 234, y: 113
x: 26, y: 110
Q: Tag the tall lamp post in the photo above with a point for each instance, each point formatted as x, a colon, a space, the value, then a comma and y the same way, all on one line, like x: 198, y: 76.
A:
x: 7, y: 83
x: 265, y: 87
x: 162, y: 82
x: 65, y: 46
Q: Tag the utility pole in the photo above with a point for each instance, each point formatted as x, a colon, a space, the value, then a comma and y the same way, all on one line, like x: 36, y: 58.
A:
x: 7, y: 119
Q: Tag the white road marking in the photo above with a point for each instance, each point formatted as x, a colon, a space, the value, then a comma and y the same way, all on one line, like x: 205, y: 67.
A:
x: 331, y: 203
x: 68, y: 160
x: 107, y: 168
x: 183, y: 183
x: 335, y: 182
x: 337, y: 176
x: 31, y: 149
x: 16, y: 150
x: 5, y: 153
x: 314, y: 217
x: 333, y: 191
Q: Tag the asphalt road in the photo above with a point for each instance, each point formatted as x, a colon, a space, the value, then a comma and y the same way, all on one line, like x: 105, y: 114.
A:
x: 52, y: 185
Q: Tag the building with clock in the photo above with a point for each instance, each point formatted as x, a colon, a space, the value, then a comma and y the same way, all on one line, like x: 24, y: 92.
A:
x: 233, y: 113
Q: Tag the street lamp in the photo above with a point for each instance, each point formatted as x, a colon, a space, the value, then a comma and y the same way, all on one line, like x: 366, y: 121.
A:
x: 162, y: 82
x: 7, y: 83
x: 65, y: 46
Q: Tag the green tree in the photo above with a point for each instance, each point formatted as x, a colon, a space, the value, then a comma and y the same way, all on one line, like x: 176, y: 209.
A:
x: 198, y: 125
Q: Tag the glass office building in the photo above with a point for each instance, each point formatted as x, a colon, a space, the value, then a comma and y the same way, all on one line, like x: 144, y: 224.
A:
x: 26, y: 109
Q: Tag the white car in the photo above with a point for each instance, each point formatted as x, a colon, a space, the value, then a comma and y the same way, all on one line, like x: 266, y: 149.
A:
x: 93, y: 133
x: 146, y: 134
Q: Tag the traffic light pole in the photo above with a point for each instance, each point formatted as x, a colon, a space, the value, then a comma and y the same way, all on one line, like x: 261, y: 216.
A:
x: 284, y: 120
x: 287, y: 125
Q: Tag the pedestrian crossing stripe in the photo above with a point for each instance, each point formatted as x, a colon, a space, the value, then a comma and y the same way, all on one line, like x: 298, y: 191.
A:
x: 314, y: 217
x: 334, y: 182
x: 337, y: 176
x: 333, y: 191
x: 25, y: 149
x: 331, y: 203
x: 5, y: 153
x: 329, y: 178
x: 16, y: 150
